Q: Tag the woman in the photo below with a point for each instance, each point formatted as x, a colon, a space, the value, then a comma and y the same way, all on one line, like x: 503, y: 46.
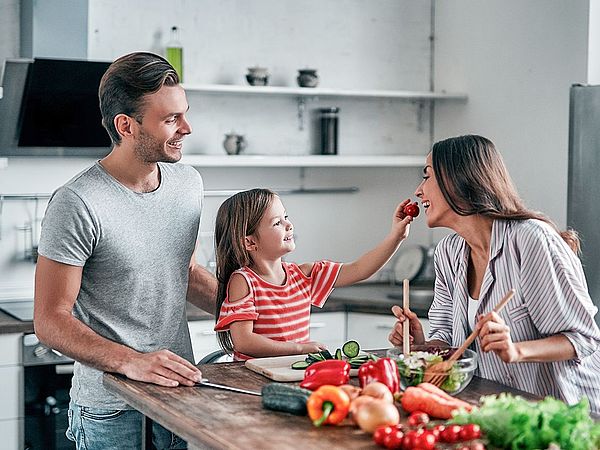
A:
x: 545, y: 341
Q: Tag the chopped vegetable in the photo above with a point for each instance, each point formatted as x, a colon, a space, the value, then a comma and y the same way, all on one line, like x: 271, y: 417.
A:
x: 351, y: 349
x: 514, y: 423
x: 328, y: 405
x: 412, y: 369
x: 331, y: 371
x: 383, y: 370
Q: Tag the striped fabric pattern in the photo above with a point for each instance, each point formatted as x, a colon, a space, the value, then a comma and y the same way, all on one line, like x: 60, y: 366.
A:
x: 551, y: 298
x: 282, y: 312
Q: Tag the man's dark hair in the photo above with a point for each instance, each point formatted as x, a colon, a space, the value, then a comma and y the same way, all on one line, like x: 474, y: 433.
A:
x: 125, y: 84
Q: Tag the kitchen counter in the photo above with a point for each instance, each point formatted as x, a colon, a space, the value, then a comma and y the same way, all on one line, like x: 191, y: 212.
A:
x: 212, y: 418
x: 363, y: 298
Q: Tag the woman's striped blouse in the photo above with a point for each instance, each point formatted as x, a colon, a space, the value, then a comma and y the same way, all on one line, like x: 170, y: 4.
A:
x: 551, y: 298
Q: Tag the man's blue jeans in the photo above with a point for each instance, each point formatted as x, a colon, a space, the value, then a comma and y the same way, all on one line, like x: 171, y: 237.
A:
x: 104, y: 429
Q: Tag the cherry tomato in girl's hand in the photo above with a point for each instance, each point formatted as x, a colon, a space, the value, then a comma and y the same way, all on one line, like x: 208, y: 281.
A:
x: 412, y: 209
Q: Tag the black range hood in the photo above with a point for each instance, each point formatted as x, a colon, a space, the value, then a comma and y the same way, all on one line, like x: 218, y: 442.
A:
x: 50, y: 108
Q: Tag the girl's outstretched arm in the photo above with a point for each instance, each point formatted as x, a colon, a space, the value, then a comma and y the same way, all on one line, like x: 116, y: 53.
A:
x: 375, y: 259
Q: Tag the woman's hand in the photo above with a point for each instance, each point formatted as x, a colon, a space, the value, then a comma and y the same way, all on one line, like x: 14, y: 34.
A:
x: 417, y: 336
x: 495, y: 337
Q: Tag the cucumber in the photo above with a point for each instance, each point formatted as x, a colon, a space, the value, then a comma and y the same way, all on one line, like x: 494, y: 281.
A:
x: 326, y: 354
x: 286, y: 398
x: 351, y: 349
x: 316, y: 356
x: 338, y: 354
x: 300, y: 365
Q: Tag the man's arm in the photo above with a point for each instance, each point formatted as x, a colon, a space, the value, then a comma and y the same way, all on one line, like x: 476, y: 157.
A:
x: 202, y: 287
x: 56, y: 288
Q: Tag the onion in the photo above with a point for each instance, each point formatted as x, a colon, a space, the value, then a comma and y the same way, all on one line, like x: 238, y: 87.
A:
x: 352, y: 391
x: 376, y: 413
x: 359, y: 402
x: 379, y: 391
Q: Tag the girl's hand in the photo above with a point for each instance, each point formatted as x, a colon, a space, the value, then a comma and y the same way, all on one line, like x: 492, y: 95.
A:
x: 417, y: 336
x: 495, y: 337
x: 401, y: 221
x: 311, y: 347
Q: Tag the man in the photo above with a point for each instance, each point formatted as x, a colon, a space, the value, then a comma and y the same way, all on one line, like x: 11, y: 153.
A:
x: 116, y: 258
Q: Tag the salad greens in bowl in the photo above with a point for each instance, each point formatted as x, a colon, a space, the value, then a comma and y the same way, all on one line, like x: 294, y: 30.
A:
x: 411, y: 368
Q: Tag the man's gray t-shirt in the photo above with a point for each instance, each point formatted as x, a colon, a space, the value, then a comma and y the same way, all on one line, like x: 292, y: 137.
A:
x: 135, y: 250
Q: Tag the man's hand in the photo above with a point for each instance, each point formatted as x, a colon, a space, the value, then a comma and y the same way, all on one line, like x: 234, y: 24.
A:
x: 162, y: 367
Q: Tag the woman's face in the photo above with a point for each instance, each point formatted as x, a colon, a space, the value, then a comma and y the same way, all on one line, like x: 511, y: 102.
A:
x: 439, y: 213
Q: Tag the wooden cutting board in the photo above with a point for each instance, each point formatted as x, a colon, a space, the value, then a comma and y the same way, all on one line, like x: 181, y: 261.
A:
x: 279, y: 368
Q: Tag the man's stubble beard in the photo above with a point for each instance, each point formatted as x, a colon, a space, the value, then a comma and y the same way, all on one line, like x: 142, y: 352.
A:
x: 149, y: 150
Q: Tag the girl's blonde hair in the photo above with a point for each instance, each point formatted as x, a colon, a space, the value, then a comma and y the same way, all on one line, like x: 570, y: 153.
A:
x: 474, y: 180
x: 237, y: 218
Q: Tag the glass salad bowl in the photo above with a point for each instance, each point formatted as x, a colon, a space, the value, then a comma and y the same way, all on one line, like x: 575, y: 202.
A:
x: 411, y: 369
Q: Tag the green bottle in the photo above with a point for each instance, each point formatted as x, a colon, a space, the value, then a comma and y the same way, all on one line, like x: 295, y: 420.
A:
x: 175, y: 53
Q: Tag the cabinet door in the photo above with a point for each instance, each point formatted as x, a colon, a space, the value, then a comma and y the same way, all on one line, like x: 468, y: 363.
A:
x: 204, y: 338
x: 11, y: 432
x: 328, y: 328
x: 11, y: 380
x: 372, y: 330
x: 10, y: 349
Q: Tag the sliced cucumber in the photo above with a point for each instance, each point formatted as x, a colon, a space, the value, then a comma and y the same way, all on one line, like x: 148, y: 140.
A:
x: 338, y: 354
x: 326, y: 354
x: 317, y: 356
x: 300, y: 365
x: 351, y: 349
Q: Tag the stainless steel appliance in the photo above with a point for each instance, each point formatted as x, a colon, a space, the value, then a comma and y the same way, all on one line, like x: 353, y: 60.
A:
x: 583, y: 207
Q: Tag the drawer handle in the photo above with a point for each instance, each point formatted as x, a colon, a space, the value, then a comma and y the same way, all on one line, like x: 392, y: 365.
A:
x: 207, y: 333
x: 383, y: 326
x: 317, y: 325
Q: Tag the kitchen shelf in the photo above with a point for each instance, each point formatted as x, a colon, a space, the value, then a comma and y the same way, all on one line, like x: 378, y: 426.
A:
x: 303, y: 161
x: 322, y: 92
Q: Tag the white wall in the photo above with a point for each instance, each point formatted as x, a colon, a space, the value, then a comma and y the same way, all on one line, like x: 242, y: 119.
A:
x: 382, y: 45
x: 516, y: 60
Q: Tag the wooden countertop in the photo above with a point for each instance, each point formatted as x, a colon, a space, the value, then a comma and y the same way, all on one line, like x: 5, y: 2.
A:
x: 212, y: 418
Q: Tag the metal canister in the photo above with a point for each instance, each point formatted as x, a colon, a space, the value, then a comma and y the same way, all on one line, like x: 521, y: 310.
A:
x: 329, y: 130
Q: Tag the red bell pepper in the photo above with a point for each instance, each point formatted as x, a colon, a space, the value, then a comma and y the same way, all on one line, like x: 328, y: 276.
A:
x: 331, y: 371
x: 383, y: 370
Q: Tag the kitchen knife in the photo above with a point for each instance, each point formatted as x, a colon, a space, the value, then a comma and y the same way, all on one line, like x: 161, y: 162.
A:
x: 205, y: 382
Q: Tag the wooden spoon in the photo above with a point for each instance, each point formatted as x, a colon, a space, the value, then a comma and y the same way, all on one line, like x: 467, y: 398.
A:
x: 437, y: 373
x: 406, y: 326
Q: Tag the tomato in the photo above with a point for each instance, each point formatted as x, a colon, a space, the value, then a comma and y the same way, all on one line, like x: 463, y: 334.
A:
x: 380, y: 433
x: 425, y: 441
x: 470, y: 431
x: 412, y: 209
x: 394, y: 439
x: 476, y: 446
x: 418, y: 418
x: 410, y: 439
x: 451, y: 433
x: 437, y: 430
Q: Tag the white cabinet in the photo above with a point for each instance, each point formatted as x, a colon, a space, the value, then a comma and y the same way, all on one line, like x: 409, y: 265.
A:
x: 11, y: 380
x: 372, y: 330
x: 328, y: 328
x: 204, y: 338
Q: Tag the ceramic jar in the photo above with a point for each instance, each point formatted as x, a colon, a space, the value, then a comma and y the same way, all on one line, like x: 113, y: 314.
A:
x: 308, y: 78
x: 234, y: 143
x: 257, y: 76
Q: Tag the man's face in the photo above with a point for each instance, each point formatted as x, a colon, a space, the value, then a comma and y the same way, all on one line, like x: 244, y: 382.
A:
x: 159, y: 136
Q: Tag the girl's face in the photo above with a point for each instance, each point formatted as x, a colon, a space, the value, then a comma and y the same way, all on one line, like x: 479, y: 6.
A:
x: 439, y: 213
x: 274, y: 235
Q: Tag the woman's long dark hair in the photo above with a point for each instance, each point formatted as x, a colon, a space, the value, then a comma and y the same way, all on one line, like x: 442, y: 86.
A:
x: 474, y: 180
x: 237, y: 218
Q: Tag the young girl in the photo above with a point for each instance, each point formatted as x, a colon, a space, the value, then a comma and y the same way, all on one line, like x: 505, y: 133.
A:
x: 263, y: 303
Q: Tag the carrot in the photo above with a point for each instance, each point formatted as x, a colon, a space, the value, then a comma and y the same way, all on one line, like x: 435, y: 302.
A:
x: 436, y: 390
x: 419, y: 399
